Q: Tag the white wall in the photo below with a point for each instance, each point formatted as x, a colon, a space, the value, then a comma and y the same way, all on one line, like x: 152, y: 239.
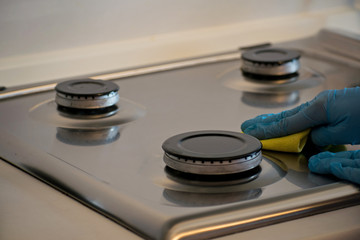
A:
x: 31, y: 26
x: 36, y: 33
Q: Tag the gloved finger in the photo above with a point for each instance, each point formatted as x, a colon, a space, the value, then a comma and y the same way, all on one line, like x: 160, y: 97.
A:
x: 308, y: 116
x: 346, y: 173
x: 321, y: 163
x: 269, y: 118
x: 344, y: 154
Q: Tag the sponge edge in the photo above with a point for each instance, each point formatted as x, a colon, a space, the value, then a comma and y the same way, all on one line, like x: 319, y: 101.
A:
x: 291, y: 143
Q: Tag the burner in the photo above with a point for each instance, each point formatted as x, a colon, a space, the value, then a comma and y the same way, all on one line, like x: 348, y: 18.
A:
x: 212, y: 152
x: 87, y: 98
x: 270, y: 63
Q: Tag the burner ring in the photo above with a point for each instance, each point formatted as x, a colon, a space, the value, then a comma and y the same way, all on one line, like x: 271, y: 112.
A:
x: 272, y: 62
x: 218, y: 167
x: 212, y: 152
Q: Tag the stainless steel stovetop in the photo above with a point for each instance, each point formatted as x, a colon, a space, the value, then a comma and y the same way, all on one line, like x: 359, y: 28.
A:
x: 115, y: 165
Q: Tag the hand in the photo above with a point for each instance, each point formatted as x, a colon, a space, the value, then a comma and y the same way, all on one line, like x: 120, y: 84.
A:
x: 344, y: 165
x: 333, y: 116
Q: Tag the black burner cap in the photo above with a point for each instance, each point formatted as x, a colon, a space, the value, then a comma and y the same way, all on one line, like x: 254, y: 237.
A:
x: 86, y: 87
x: 270, y: 55
x: 211, y: 145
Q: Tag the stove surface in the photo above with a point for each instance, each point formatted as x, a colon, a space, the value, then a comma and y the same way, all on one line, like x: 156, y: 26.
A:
x: 115, y: 165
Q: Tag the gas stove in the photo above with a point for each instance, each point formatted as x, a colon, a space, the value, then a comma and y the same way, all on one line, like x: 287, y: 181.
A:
x: 146, y: 148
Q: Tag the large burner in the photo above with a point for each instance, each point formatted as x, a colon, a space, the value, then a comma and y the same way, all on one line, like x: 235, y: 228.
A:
x: 87, y: 98
x: 212, y: 152
x: 270, y: 63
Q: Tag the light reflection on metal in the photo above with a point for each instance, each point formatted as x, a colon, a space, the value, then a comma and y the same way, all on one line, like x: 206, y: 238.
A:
x: 221, y: 229
x: 199, y: 231
x: 88, y: 137
x: 270, y: 100
x: 26, y: 91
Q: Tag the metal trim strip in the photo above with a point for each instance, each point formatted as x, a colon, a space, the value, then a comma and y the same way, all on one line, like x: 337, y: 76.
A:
x: 228, y: 56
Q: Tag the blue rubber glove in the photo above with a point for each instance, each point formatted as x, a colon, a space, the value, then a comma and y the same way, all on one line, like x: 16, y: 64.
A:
x: 344, y: 165
x: 333, y: 116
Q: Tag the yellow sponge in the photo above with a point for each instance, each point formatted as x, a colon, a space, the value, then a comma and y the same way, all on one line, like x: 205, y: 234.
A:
x: 291, y: 143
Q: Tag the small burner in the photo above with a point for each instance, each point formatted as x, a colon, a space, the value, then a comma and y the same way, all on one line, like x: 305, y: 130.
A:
x: 87, y: 98
x: 270, y: 63
x: 212, y: 152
